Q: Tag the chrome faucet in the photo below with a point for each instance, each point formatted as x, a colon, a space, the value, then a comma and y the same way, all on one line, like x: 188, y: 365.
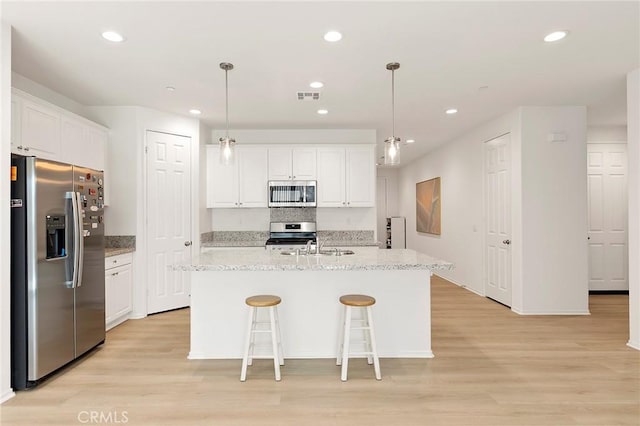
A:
x: 319, y: 245
x: 308, y: 248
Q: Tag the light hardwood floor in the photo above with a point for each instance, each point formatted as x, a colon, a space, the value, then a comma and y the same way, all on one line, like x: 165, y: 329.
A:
x: 492, y: 367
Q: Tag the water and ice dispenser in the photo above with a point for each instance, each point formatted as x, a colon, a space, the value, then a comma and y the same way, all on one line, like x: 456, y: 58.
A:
x: 56, y: 240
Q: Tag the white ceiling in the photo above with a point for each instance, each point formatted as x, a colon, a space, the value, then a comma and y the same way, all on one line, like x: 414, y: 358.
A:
x: 447, y: 51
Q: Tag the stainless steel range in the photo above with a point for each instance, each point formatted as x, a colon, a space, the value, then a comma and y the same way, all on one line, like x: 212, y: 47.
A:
x: 291, y: 235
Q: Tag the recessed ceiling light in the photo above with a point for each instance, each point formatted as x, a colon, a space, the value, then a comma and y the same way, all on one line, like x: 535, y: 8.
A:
x: 112, y: 36
x: 555, y: 36
x: 333, y: 36
x: 195, y: 111
x: 323, y: 111
x: 411, y: 140
x: 451, y: 111
x: 170, y: 88
x: 316, y: 85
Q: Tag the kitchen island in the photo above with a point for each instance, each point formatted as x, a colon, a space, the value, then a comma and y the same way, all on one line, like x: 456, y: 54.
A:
x: 310, y: 287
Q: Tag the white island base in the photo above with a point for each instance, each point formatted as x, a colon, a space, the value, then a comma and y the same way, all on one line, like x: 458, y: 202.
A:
x: 310, y: 311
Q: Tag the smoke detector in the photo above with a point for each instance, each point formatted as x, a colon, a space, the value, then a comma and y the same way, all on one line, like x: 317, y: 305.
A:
x: 308, y: 96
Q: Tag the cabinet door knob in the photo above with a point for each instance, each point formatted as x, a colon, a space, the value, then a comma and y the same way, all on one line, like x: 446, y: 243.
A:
x: 507, y: 242
x: 19, y: 146
x: 26, y: 148
x: 187, y: 243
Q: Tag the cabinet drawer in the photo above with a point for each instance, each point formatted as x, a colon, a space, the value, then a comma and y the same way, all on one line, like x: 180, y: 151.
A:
x: 119, y: 260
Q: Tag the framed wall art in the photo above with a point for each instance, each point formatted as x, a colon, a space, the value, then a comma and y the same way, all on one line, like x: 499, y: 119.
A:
x: 428, y: 206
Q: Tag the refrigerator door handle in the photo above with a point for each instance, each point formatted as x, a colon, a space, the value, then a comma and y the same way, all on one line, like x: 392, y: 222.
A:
x: 74, y: 226
x: 80, y: 234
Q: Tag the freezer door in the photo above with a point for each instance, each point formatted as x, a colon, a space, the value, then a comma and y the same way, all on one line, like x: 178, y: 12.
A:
x: 89, y: 292
x: 50, y: 296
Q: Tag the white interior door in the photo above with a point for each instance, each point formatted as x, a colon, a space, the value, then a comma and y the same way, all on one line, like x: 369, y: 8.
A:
x: 168, y: 220
x: 497, y: 282
x: 607, y: 216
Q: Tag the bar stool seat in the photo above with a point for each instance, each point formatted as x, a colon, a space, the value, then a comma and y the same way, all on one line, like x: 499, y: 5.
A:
x: 255, y: 302
x: 362, y: 302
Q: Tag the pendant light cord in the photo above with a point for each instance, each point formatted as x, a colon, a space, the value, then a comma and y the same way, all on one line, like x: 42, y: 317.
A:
x: 393, y: 105
x: 226, y: 90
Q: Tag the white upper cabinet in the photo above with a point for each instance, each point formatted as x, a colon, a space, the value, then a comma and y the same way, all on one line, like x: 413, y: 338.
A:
x: 241, y: 184
x: 15, y: 125
x: 287, y: 163
x: 361, y: 177
x: 73, y: 138
x: 331, y: 177
x: 346, y: 177
x: 39, y: 130
x: 46, y: 131
x: 222, y: 180
x: 252, y: 179
x: 96, y: 147
x: 83, y: 144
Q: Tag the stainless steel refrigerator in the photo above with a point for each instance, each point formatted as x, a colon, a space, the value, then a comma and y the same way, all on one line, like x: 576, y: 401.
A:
x: 57, y: 266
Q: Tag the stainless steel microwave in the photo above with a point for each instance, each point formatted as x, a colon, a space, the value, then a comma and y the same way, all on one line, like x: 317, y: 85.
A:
x: 292, y: 193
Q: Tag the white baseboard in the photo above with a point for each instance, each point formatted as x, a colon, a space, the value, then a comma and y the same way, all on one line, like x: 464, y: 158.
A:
x: 7, y: 395
x: 634, y: 345
x: 421, y: 354
x: 551, y: 312
x: 137, y: 316
x: 462, y: 285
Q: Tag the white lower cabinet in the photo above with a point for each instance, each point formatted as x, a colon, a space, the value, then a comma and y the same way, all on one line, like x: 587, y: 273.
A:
x: 118, y: 289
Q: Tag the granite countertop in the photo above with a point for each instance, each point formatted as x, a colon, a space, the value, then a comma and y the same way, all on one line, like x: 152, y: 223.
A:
x: 261, y: 243
x: 236, y: 243
x: 114, y: 251
x: 259, y: 259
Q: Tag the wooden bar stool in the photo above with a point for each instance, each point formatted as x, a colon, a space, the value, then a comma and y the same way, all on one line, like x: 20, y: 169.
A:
x: 366, y: 324
x: 255, y: 302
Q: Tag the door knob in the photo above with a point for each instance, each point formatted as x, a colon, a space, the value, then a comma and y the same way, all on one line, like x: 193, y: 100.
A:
x: 187, y: 243
x: 507, y: 242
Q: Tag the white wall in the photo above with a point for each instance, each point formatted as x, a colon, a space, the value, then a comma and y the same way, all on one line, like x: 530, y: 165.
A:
x: 554, y: 211
x: 204, y: 213
x: 548, y: 208
x: 240, y: 219
x: 122, y: 163
x: 128, y: 208
x: 633, y: 149
x: 299, y: 136
x: 36, y: 89
x: 600, y: 134
x: 459, y: 164
x: 348, y: 219
x: 392, y: 177
x: 5, y: 214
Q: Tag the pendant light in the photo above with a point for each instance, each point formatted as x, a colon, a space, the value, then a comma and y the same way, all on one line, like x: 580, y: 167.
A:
x: 392, y: 143
x: 227, y: 144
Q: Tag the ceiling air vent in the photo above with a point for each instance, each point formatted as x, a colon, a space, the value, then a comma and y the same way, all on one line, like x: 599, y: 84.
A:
x: 308, y: 96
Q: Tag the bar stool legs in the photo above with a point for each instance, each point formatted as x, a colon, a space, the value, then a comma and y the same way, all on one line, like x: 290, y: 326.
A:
x: 364, y: 303
x: 254, y: 303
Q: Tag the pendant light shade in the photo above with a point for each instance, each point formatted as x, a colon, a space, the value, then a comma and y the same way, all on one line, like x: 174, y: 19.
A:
x: 227, y: 144
x: 392, y: 143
